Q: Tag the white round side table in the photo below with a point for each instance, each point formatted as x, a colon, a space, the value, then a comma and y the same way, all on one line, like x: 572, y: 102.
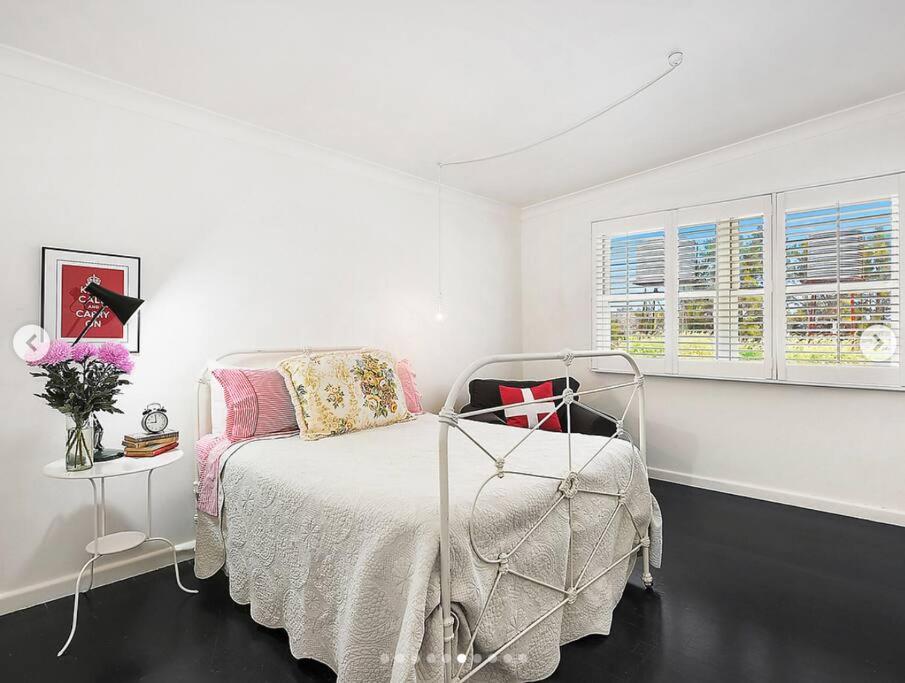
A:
x: 108, y: 544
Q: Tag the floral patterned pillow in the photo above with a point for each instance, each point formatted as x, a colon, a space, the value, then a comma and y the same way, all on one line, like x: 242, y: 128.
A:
x: 335, y: 392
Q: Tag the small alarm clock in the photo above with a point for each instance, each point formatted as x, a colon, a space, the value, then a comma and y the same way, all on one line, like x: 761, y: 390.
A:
x: 154, y: 419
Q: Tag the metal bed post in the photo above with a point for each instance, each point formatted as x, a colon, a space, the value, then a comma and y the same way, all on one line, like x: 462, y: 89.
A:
x: 642, y: 431
x: 448, y: 418
x: 646, y: 577
x: 445, y: 608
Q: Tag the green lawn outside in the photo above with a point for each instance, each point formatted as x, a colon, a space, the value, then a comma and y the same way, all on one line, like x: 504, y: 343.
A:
x: 801, y: 350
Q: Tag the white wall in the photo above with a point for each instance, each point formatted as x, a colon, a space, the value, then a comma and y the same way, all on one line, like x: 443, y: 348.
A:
x: 248, y: 240
x: 839, y: 450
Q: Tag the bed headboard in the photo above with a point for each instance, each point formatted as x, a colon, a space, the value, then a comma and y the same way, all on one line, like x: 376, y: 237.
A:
x: 259, y: 358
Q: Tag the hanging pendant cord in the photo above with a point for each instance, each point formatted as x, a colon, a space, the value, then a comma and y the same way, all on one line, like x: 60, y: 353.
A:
x: 674, y: 60
x: 439, y: 314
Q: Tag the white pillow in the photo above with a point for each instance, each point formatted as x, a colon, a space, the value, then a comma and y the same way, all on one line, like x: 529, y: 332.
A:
x: 218, y: 400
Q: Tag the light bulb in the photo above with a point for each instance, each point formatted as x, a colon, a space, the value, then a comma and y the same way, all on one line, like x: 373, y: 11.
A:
x: 439, y: 316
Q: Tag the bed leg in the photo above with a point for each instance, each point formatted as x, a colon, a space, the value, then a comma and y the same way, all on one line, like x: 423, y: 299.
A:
x: 449, y: 653
x: 646, y: 577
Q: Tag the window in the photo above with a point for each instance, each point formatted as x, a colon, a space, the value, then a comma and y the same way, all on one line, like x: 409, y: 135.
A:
x: 634, y: 292
x: 721, y: 289
x: 718, y: 291
x: 630, y: 281
x: 841, y: 283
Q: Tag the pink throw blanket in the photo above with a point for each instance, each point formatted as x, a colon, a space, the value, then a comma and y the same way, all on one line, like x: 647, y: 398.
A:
x: 208, y: 451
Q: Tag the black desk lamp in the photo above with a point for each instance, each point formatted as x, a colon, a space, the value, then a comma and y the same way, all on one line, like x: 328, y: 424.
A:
x: 123, y: 308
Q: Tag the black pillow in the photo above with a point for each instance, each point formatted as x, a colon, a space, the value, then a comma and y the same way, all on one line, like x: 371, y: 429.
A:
x: 485, y: 393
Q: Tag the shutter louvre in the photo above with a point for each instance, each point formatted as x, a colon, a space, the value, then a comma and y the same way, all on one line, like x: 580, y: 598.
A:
x: 630, y: 278
x: 842, y: 276
x: 721, y: 290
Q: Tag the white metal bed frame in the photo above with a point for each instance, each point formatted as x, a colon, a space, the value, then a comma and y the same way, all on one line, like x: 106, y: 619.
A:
x: 567, y: 488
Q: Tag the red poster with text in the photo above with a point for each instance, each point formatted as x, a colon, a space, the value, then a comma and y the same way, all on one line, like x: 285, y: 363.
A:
x: 77, y: 307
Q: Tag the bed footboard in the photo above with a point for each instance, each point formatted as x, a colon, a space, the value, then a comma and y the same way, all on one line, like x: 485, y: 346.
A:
x: 577, y: 579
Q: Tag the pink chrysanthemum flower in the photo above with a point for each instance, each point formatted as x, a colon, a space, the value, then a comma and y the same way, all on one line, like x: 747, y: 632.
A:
x: 116, y: 355
x: 83, y: 350
x: 57, y: 352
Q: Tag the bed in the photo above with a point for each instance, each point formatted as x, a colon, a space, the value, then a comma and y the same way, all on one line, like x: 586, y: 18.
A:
x: 418, y: 552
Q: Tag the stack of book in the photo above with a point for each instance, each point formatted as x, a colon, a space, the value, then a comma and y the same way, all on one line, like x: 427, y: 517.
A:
x: 147, y: 445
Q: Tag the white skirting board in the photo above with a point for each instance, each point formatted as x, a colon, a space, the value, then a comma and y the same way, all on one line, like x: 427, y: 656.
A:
x: 838, y: 507
x: 106, y: 572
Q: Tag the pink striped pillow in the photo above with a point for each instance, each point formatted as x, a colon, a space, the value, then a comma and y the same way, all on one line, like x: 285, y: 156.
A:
x: 257, y: 403
x: 409, y: 387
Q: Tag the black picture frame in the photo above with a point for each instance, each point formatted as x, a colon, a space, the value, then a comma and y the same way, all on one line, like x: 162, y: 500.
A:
x: 51, y: 258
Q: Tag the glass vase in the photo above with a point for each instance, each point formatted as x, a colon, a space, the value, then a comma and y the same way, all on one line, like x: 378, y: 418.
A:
x: 79, y: 444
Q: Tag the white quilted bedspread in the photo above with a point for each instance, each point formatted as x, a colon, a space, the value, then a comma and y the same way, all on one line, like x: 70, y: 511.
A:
x: 337, y: 541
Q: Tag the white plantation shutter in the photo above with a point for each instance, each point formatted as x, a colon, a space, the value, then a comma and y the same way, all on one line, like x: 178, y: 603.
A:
x: 841, y: 277
x: 630, y: 292
x: 721, y: 290
x: 697, y: 291
x: 722, y: 320
x: 801, y: 286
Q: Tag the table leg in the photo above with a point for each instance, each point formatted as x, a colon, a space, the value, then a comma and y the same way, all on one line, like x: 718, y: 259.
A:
x: 103, y: 528
x: 75, y: 604
x: 103, y: 507
x: 164, y: 540
x: 150, y: 472
x: 175, y: 562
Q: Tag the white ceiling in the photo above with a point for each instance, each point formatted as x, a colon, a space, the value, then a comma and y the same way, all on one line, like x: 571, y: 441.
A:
x: 406, y: 83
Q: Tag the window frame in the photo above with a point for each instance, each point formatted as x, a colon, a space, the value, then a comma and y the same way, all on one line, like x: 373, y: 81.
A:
x: 773, y: 369
x: 617, y: 228
x: 714, y: 213
x: 855, y: 191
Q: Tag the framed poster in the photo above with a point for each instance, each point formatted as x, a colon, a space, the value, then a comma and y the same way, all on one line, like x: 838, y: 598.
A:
x: 65, y: 307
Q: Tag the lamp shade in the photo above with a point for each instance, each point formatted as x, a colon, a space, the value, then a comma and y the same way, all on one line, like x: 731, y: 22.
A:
x: 123, y: 306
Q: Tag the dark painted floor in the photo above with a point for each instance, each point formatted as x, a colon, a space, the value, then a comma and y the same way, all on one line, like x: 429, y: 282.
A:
x: 750, y: 591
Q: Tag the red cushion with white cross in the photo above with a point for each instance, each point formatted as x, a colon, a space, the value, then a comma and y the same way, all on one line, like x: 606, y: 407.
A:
x: 531, y: 414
